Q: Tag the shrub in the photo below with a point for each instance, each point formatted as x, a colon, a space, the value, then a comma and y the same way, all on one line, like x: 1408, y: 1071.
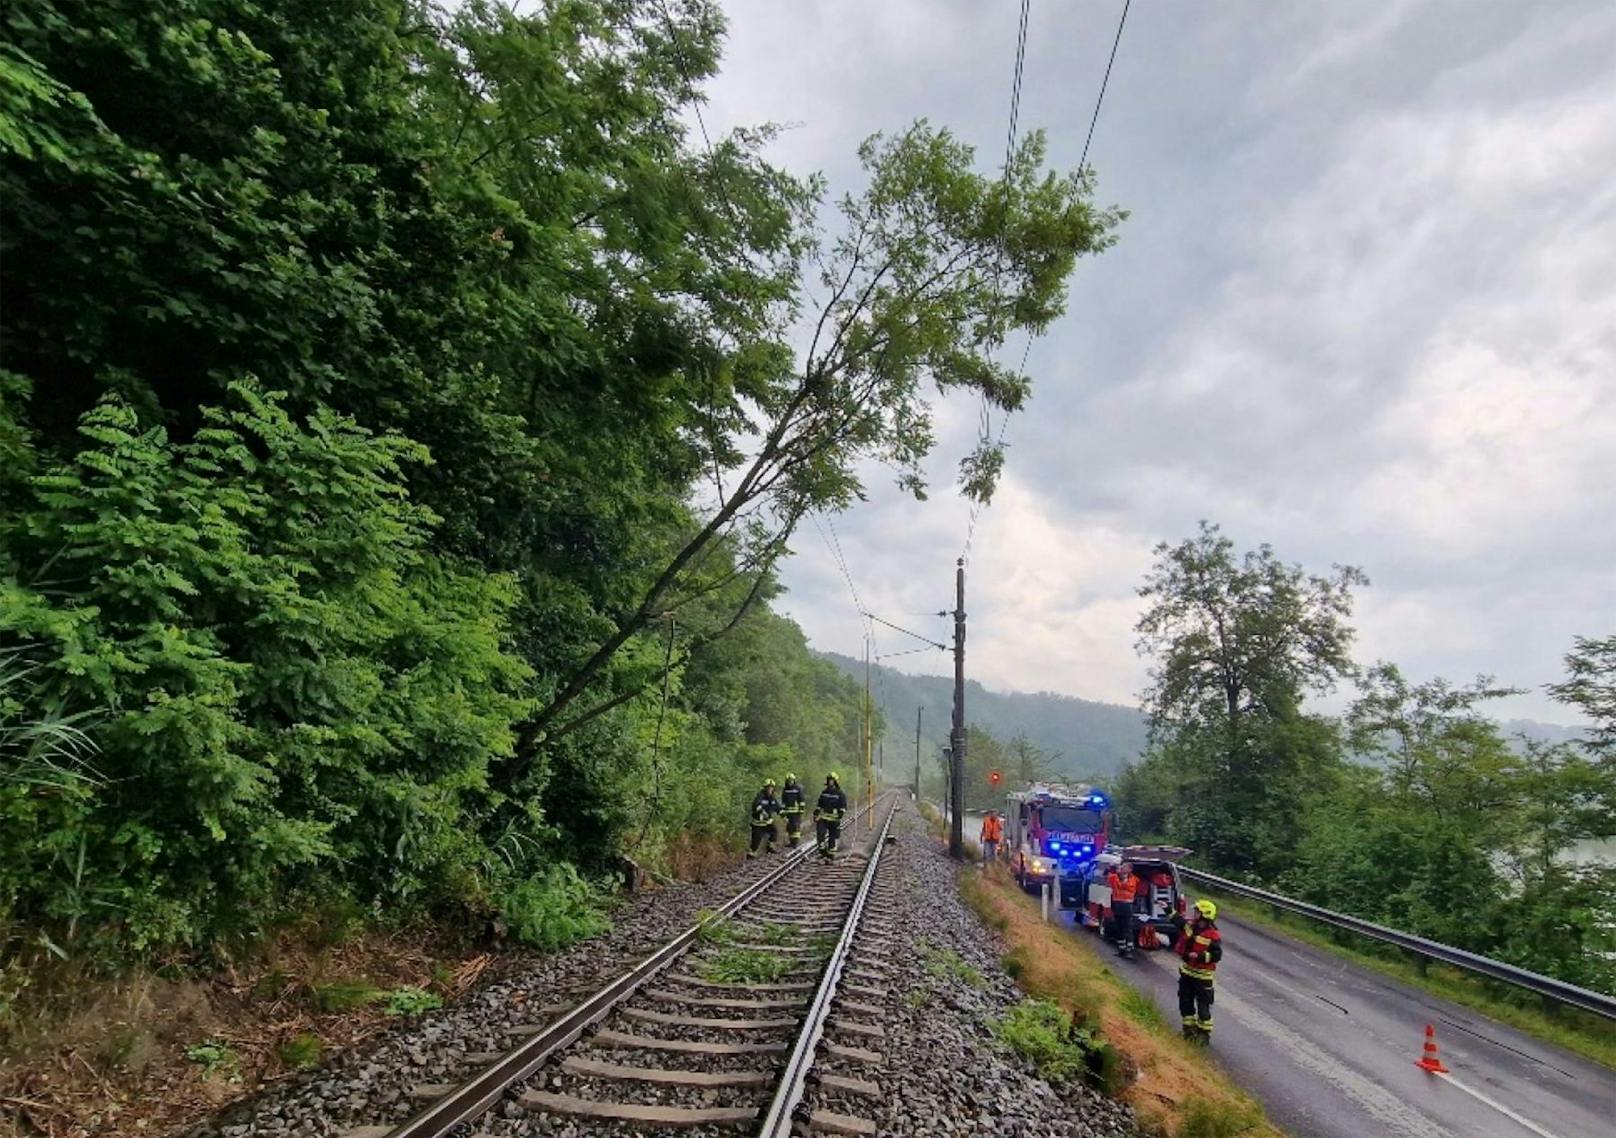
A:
x: 215, y: 1058
x: 554, y: 909
x: 1043, y: 1034
x: 412, y: 1001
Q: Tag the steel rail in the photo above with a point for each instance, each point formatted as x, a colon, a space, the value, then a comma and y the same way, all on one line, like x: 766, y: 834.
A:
x: 1582, y: 998
x: 787, y: 1096
x: 482, y: 1093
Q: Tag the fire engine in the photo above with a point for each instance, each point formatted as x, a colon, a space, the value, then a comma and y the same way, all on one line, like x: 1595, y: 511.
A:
x: 1053, y: 832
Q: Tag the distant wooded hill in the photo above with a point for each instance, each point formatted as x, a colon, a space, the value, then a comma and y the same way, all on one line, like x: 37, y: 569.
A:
x: 1084, y: 736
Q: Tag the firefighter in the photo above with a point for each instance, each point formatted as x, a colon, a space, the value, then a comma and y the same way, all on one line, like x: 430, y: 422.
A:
x: 792, y: 803
x: 992, y: 835
x: 1124, y: 885
x: 828, y: 814
x: 764, y: 807
x: 1201, y: 947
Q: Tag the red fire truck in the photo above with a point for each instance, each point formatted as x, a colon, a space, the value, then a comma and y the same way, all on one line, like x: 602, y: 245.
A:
x: 1053, y: 832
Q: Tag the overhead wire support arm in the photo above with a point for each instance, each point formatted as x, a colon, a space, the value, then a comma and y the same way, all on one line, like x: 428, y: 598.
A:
x: 905, y: 631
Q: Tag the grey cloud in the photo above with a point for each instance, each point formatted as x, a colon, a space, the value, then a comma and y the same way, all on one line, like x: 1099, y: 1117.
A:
x: 1365, y: 310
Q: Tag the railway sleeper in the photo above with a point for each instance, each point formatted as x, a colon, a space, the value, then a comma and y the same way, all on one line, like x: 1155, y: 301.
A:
x: 833, y: 1122
x: 610, y: 1038
x: 674, y: 1117
x: 595, y: 1069
x: 645, y: 1015
x: 696, y: 1001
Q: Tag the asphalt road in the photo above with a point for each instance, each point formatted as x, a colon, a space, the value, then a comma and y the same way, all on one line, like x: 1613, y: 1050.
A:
x: 1328, y: 1047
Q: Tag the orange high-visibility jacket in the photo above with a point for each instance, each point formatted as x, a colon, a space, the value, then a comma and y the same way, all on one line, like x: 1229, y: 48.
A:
x: 1122, y: 890
x: 992, y: 830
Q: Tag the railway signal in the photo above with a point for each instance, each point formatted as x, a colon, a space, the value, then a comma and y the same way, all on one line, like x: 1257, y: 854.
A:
x: 995, y: 778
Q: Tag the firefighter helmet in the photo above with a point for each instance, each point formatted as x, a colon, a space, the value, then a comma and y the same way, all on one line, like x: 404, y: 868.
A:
x: 768, y: 782
x: 834, y: 777
x: 1207, y: 909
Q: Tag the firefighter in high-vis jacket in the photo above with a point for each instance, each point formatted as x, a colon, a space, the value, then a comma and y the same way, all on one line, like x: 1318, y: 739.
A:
x: 792, y: 804
x: 1200, y: 947
x: 764, y: 807
x: 828, y: 814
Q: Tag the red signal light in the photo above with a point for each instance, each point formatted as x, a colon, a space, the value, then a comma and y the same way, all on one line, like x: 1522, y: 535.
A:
x: 994, y: 777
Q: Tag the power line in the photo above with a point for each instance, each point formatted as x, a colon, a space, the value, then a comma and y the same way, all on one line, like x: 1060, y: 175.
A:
x: 1126, y: 4
x: 984, y: 424
x: 695, y: 105
x: 984, y: 421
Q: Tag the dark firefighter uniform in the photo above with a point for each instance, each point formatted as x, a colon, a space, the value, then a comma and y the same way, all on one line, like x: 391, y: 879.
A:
x: 792, y: 804
x: 828, y: 814
x: 1200, y: 949
x: 764, y: 807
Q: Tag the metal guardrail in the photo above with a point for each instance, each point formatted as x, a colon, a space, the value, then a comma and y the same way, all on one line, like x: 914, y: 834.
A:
x: 1569, y: 994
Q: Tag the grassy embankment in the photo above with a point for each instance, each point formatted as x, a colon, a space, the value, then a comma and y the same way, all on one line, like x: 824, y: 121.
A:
x: 1177, y: 1091
x: 1578, y: 1032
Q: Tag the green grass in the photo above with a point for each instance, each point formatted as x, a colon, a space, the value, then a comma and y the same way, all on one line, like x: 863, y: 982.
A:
x: 1140, y: 1008
x: 1045, y: 1034
x: 941, y: 962
x: 771, y: 932
x: 345, y: 995
x: 744, y: 966
x: 713, y: 929
x: 1202, y: 1118
x: 301, y: 1051
x: 1583, y: 1034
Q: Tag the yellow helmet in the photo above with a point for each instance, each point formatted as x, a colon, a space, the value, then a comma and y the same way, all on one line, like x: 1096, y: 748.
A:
x: 835, y: 776
x: 768, y: 782
x: 1207, y: 909
x: 791, y: 778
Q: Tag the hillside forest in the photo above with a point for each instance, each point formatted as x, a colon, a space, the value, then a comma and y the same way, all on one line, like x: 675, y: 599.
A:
x: 403, y: 411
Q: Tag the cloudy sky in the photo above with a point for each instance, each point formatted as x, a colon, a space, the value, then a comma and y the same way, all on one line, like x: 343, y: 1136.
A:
x: 1364, y: 310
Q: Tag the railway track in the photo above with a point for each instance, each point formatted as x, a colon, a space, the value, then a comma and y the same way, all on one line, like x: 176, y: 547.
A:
x: 765, y: 1018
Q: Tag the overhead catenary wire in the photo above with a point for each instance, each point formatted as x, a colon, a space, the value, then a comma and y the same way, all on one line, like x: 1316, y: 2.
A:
x: 984, y: 423
x: 1082, y: 163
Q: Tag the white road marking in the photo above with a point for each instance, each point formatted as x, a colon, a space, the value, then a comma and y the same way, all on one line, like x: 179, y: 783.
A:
x: 1397, y: 1117
x: 1498, y: 1106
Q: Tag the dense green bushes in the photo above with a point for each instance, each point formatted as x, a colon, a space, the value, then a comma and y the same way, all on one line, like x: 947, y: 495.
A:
x: 363, y: 366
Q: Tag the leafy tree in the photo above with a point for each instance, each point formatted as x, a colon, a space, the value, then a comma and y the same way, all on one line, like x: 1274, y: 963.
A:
x: 1232, y: 638
x: 937, y: 266
x: 1590, y: 687
x: 1236, y: 645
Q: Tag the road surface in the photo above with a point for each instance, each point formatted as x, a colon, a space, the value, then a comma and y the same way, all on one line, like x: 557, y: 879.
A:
x: 1329, y: 1048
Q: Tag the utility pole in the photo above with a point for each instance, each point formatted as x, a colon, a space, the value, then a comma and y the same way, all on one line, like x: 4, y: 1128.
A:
x: 920, y: 713
x: 869, y: 731
x: 956, y: 770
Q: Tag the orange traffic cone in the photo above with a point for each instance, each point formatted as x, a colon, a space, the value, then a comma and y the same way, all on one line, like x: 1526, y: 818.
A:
x: 1431, y: 1061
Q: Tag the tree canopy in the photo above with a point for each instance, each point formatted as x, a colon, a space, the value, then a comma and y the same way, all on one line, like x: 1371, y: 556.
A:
x: 401, y: 419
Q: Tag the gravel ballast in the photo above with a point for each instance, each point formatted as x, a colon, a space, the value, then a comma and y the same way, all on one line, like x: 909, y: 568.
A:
x: 371, y: 1084
x: 943, y: 1072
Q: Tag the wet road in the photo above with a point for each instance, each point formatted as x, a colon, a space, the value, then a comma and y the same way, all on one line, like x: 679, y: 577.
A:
x: 1329, y: 1048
